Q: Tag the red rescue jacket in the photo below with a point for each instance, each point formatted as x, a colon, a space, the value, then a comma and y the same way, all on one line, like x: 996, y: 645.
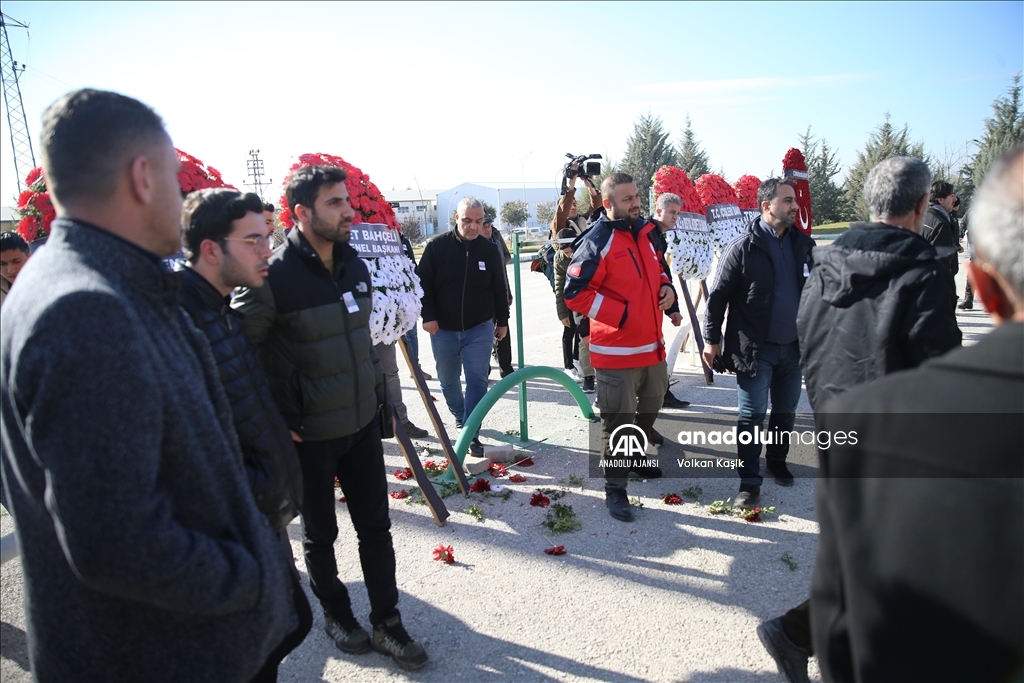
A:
x: 616, y: 273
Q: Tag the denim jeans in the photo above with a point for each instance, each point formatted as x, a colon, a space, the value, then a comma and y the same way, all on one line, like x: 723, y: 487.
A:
x: 469, y: 351
x: 778, y: 377
x: 412, y: 342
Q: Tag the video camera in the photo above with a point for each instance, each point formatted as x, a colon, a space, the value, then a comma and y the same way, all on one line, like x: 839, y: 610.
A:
x: 581, y: 166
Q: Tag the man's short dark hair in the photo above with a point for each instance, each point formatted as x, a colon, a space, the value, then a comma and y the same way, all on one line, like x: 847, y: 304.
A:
x: 611, y: 182
x: 267, y: 206
x: 208, y: 214
x: 11, y: 241
x: 769, y: 189
x: 89, y: 136
x: 304, y: 185
x: 940, y: 190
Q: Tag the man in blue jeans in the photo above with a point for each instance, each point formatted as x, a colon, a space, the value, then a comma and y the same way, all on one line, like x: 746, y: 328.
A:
x: 464, y: 308
x: 759, y: 281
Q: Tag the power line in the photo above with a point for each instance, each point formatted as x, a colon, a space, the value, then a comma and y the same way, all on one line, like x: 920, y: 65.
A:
x: 254, y: 168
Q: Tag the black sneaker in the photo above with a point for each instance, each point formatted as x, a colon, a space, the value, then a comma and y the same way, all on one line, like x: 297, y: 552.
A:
x: 781, y: 473
x: 589, y: 385
x: 458, y: 422
x: 671, y: 401
x: 413, y: 431
x: 390, y: 638
x: 618, y: 505
x: 748, y: 496
x: 656, y: 438
x: 350, y: 637
x: 476, y: 448
x: 790, y: 658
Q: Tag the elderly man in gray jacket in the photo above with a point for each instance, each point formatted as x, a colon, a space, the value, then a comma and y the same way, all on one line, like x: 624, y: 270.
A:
x: 145, y: 557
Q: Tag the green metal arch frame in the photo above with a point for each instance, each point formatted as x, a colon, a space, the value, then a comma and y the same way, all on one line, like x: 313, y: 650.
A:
x: 518, y: 377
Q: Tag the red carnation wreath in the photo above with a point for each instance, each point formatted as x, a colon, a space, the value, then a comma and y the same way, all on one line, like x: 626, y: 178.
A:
x: 725, y: 221
x: 794, y: 167
x: 369, y: 203
x: 36, y: 211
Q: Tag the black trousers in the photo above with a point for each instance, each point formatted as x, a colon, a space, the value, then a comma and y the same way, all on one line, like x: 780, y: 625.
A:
x: 570, y: 344
x: 358, y: 462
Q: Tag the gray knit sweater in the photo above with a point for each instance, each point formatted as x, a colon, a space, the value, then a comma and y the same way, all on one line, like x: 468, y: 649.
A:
x: 145, y: 558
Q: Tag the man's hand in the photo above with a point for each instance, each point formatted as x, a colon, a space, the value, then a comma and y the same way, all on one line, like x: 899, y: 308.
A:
x: 565, y: 322
x: 500, y: 332
x: 712, y: 351
x: 676, y: 318
x: 295, y: 437
x: 667, y: 297
x: 430, y: 327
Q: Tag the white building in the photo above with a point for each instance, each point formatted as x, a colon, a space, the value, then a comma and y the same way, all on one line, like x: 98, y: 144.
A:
x: 497, y: 195
x: 420, y: 205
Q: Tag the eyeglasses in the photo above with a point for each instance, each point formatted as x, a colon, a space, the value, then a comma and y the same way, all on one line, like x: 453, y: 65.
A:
x: 258, y: 243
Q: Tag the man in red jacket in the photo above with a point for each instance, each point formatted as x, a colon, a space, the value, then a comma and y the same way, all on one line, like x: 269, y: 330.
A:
x: 618, y: 279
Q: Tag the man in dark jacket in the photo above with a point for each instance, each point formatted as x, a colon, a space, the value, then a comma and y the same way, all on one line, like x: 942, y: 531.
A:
x: 464, y: 308
x: 759, y: 280
x: 212, y: 219
x: 310, y: 323
x: 144, y: 555
x: 921, y: 550
x: 875, y: 303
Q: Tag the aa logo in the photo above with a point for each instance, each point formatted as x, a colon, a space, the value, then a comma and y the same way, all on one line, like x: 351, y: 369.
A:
x: 627, y: 441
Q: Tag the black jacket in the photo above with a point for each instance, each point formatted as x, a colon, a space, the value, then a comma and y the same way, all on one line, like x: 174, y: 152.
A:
x: 463, y: 283
x: 268, y: 452
x: 745, y: 283
x: 940, y: 230
x: 921, y: 549
x: 876, y: 302
x: 317, y: 354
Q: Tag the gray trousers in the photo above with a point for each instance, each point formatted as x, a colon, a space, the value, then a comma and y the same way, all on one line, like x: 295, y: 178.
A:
x: 628, y: 396
x: 585, y: 365
x: 393, y: 386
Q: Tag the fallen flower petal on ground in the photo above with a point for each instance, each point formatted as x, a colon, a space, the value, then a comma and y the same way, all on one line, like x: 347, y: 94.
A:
x: 497, y: 470
x: 403, y: 473
x: 399, y: 495
x: 557, y: 550
x: 672, y: 499
x: 517, y: 478
x: 480, y: 486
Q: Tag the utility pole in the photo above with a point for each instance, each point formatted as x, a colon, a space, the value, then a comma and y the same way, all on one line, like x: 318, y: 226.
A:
x: 255, y: 171
x: 21, y: 141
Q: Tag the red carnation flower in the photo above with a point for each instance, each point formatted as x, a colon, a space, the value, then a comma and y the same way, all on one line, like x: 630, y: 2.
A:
x: 480, y: 486
x: 341, y: 499
x: 444, y: 553
x: 673, y: 179
x: 517, y: 478
x: 34, y: 176
x: 672, y: 499
x: 403, y: 473
x: 557, y: 550
x: 539, y: 500
x: 194, y: 175
x: 497, y: 470
x: 28, y: 228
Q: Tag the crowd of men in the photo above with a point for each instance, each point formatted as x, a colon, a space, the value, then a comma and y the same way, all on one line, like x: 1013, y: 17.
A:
x: 161, y: 429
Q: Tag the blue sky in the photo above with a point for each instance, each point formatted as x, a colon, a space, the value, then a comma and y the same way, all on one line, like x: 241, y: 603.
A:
x: 438, y: 94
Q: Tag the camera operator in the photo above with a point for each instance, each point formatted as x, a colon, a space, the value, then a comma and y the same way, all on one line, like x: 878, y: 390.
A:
x: 567, y: 214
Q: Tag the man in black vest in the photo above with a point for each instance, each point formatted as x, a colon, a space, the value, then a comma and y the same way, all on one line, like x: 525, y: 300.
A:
x: 310, y: 323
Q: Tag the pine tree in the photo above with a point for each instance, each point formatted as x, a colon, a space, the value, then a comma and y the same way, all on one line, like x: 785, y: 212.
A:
x: 690, y: 157
x: 647, y: 150
x: 828, y: 203
x: 1003, y: 130
x: 884, y: 143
